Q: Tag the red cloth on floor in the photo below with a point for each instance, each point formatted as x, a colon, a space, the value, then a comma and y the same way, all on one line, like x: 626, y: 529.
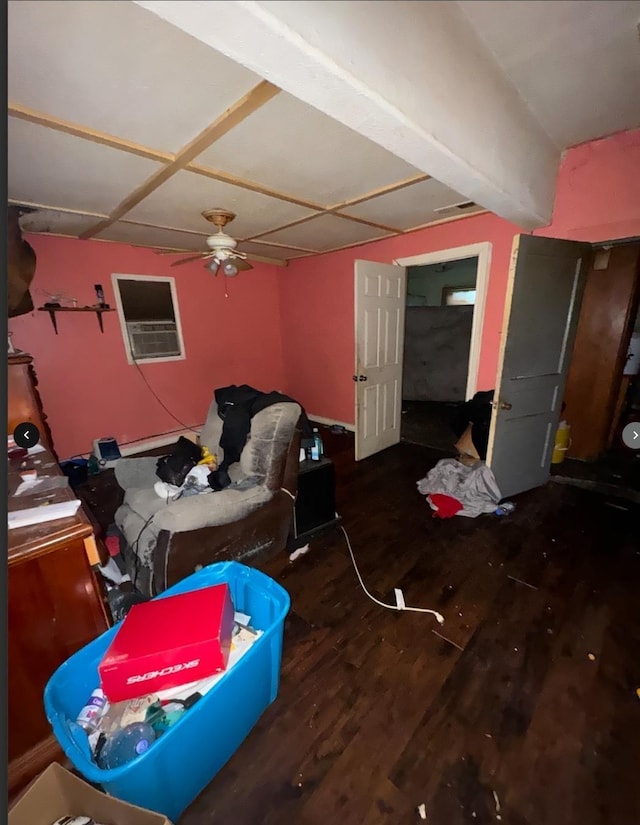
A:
x: 113, y: 545
x: 443, y: 506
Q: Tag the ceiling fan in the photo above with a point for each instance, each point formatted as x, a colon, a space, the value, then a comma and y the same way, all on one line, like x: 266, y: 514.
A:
x: 222, y: 254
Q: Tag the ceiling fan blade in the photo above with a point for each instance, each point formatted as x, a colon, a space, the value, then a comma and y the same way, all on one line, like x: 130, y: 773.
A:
x: 240, y: 264
x: 263, y: 259
x: 201, y: 256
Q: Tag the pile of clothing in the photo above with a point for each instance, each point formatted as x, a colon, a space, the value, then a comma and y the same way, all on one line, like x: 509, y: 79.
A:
x: 456, y: 489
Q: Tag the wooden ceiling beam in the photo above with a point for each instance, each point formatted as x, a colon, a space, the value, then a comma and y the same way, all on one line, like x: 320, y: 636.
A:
x: 184, y: 160
x: 235, y: 114
x: 284, y: 226
x: 203, y: 234
x: 366, y: 222
x: 84, y: 132
x: 66, y: 210
x: 241, y: 109
x: 404, y: 231
x: 281, y: 245
x: 308, y: 218
x: 252, y: 186
x: 227, y: 121
x: 375, y: 193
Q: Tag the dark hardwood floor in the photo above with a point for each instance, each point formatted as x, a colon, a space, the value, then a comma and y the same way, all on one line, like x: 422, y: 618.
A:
x: 429, y: 423
x: 616, y: 473
x: 523, y: 710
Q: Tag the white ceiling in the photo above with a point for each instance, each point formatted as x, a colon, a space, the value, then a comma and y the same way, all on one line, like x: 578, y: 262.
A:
x: 105, y: 99
x: 576, y: 63
x: 118, y: 69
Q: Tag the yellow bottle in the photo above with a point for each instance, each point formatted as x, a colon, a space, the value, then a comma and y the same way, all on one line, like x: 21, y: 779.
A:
x: 562, y: 443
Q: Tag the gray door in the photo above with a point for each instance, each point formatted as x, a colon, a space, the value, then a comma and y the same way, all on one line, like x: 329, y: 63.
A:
x: 546, y: 279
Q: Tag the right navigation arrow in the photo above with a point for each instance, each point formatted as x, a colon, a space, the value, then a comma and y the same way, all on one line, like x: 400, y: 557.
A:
x: 631, y: 435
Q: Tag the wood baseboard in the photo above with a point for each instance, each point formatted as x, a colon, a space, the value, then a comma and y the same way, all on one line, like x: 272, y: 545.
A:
x: 331, y: 421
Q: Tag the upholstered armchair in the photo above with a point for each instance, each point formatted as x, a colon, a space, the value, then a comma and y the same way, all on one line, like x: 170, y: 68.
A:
x: 165, y: 541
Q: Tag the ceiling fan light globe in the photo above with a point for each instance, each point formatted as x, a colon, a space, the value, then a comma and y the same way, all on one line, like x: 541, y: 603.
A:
x: 229, y: 269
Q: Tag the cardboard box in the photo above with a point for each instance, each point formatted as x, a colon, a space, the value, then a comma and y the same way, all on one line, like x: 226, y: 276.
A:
x: 56, y: 793
x: 465, y: 446
x: 168, y: 642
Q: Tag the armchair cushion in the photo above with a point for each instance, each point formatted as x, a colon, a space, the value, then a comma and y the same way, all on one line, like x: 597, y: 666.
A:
x: 191, y: 513
x: 136, y: 473
x: 256, y: 478
x: 268, y: 439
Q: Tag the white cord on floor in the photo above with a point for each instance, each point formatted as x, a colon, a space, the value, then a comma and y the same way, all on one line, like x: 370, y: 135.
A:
x: 400, y: 605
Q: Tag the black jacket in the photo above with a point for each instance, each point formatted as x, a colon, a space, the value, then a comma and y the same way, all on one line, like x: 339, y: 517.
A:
x: 236, y: 407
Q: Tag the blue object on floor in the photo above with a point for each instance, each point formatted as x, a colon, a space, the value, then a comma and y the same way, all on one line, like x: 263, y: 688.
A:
x: 178, y: 766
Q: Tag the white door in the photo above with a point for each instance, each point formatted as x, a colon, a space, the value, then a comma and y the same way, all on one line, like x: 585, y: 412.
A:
x: 380, y: 296
x: 546, y: 280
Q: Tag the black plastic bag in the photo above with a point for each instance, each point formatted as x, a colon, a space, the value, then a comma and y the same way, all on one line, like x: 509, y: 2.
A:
x: 121, y: 601
x: 174, y: 468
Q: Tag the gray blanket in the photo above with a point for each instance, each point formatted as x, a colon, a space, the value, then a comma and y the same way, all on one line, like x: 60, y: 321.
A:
x: 474, y: 486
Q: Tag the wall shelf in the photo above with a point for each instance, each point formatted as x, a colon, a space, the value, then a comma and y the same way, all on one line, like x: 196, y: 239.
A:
x: 98, y: 311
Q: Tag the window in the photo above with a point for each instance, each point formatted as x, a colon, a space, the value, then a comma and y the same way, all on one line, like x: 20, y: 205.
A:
x: 149, y: 318
x: 457, y: 296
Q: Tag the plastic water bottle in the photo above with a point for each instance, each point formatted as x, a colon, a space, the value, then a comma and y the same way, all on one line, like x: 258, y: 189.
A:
x: 126, y: 744
x: 90, y: 715
x: 505, y: 508
x: 316, y: 448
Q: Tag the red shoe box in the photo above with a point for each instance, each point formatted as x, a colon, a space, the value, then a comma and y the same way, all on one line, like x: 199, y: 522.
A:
x: 169, y: 642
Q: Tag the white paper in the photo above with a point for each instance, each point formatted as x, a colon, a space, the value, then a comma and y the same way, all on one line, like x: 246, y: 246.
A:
x: 42, y: 484
x: 38, y: 515
x: 37, y: 448
x: 27, y: 486
x: 204, y: 685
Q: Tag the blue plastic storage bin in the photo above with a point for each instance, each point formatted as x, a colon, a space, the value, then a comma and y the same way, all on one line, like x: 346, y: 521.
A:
x: 183, y: 761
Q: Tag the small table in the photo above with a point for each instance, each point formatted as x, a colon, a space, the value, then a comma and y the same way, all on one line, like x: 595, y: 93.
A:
x: 315, y: 508
x: 101, y: 496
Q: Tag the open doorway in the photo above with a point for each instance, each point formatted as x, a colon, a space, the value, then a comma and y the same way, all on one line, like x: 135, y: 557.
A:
x: 443, y: 324
x: 439, y: 315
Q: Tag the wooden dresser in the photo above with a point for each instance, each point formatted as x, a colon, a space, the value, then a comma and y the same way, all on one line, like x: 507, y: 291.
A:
x: 24, y: 399
x: 56, y: 606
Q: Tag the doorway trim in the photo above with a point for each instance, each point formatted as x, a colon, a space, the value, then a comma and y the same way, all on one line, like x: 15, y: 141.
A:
x: 481, y: 251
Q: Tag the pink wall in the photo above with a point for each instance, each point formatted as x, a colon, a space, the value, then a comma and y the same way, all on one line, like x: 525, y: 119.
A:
x: 317, y: 299
x: 597, y: 198
x: 598, y: 193
x: 280, y: 329
x: 87, y: 387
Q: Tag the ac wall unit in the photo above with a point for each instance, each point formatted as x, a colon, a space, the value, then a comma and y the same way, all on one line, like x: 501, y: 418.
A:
x: 153, y: 339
